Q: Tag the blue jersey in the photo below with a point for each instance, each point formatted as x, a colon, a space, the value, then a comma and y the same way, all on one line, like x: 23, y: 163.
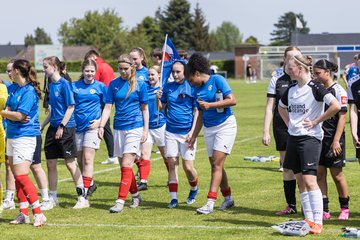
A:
x: 26, y: 101
x: 207, y: 93
x: 142, y: 74
x: 352, y: 72
x: 180, y: 100
x: 156, y: 119
x: 89, y: 99
x: 60, y: 98
x: 128, y: 114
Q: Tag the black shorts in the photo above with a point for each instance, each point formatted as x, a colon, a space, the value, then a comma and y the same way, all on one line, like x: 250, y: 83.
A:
x: 302, y: 154
x: 60, y: 148
x: 325, y: 160
x: 37, y: 153
x: 280, y: 132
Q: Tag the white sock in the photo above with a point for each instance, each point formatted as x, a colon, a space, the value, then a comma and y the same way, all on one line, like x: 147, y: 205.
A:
x: 193, y: 188
x: 135, y: 195
x: 173, y: 195
x: 54, y: 195
x: 316, y: 205
x: 228, y: 198
x: 211, y: 202
x: 44, y: 194
x: 305, y: 203
x: 10, y: 195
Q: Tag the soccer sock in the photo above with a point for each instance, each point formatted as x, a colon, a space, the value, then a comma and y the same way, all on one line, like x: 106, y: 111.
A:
x: 137, y: 162
x: 316, y: 203
x: 325, y: 204
x: 80, y: 190
x: 53, y: 195
x: 305, y: 203
x: 30, y: 192
x: 45, y: 194
x: 144, y: 170
x: 194, y: 184
x: 289, y: 190
x: 87, y: 183
x: 344, y: 202
x: 10, y: 194
x: 133, y: 187
x: 173, y: 188
x: 211, y: 198
x: 226, y: 193
x: 125, y: 182
x: 24, y: 208
x: 23, y: 203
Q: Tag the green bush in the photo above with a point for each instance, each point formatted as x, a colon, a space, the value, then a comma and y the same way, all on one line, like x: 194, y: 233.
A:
x: 225, y: 65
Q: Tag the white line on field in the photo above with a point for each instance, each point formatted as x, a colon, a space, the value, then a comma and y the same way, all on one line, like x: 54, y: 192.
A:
x: 154, y: 159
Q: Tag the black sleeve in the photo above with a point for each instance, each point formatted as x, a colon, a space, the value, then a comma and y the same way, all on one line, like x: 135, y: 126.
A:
x: 319, y: 91
x: 284, y: 98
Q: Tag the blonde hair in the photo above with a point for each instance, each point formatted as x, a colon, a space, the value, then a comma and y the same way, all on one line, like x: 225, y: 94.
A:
x: 157, y: 68
x: 125, y: 58
x: 306, y: 62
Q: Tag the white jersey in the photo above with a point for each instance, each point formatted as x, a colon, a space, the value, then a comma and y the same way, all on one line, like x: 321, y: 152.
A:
x: 306, y: 102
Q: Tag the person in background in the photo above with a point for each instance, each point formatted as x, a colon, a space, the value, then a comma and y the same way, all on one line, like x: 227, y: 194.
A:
x: 156, y: 56
x: 104, y: 74
x: 3, y: 98
x: 351, y: 70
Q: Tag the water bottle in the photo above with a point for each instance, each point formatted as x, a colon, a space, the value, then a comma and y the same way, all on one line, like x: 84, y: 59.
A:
x: 219, y: 97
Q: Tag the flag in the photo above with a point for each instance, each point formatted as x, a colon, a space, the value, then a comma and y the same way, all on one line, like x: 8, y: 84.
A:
x: 170, y: 56
x: 170, y: 50
x: 299, y: 23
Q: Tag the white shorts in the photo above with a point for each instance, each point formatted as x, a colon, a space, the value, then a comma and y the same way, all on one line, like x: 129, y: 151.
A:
x: 221, y: 137
x: 176, y: 146
x: 21, y: 149
x: 157, y: 136
x: 88, y: 139
x: 127, y: 141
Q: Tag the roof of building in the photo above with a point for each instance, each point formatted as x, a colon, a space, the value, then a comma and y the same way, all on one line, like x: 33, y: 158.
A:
x: 299, y: 39
x: 9, y: 51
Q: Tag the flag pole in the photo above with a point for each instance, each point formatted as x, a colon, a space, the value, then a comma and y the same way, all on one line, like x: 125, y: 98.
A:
x: 161, y: 79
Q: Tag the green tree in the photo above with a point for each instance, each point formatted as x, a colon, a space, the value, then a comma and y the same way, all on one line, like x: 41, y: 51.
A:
x: 151, y: 28
x: 286, y: 27
x: 225, y: 37
x: 252, y: 40
x: 200, y: 40
x: 40, y: 37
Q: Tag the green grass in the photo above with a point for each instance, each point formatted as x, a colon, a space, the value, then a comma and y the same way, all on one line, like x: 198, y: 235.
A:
x: 256, y: 188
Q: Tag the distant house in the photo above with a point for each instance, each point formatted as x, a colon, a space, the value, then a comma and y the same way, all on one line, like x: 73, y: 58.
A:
x: 9, y: 51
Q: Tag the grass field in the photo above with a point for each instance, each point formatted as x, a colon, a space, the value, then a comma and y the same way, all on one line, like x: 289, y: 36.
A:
x: 256, y: 188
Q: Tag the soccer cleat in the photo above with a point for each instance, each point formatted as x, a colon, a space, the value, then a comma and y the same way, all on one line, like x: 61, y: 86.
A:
x: 192, y: 196
x: 54, y: 202
x: 8, y: 204
x: 136, y: 202
x: 317, y: 228
x: 39, y: 220
x: 46, y: 205
x: 118, y: 207
x: 173, y: 203
x: 326, y: 215
x: 82, y: 203
x: 91, y: 190
x: 227, y: 203
x: 206, y: 209
x: 344, y: 214
x: 309, y: 222
x: 142, y: 186
x: 286, y: 211
x: 21, y: 219
x: 113, y: 160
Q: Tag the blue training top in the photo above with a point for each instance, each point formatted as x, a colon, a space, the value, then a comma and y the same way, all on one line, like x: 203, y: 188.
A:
x: 156, y: 119
x: 180, y: 100
x: 142, y: 74
x: 89, y: 99
x: 128, y: 114
x: 60, y: 98
x: 26, y: 101
x: 207, y: 93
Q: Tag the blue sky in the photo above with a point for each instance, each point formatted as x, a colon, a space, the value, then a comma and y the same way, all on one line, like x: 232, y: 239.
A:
x: 253, y: 17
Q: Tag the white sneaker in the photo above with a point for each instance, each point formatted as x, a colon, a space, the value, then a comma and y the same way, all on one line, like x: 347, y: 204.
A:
x: 39, y: 220
x: 8, y: 204
x: 46, y: 205
x: 136, y: 202
x: 82, y: 203
x: 227, y: 203
x: 206, y: 209
x: 118, y: 207
x: 21, y: 219
x: 113, y: 160
x: 54, y: 202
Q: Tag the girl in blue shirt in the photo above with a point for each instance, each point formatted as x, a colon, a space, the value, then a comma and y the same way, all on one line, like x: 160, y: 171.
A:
x: 131, y: 124
x: 60, y: 136
x: 139, y: 57
x: 22, y: 112
x: 214, y: 101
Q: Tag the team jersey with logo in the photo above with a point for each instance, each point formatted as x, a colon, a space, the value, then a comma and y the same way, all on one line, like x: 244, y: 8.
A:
x: 352, y: 72
x: 180, y: 102
x: 306, y: 102
x: 279, y: 83
x: 26, y: 101
x: 330, y: 125
x: 207, y: 93
x: 89, y: 99
x: 156, y: 119
x: 128, y: 114
x: 60, y: 98
x: 142, y: 74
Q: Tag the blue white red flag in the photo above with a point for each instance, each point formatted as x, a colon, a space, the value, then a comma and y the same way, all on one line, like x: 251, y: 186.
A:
x: 170, y: 56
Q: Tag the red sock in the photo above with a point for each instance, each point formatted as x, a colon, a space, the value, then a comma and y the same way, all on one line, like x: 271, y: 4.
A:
x: 87, y: 181
x: 144, y: 169
x: 226, y: 192
x: 173, y: 187
x: 21, y: 198
x: 30, y: 192
x: 212, y: 195
x: 194, y: 183
x: 125, y: 182
x: 137, y: 162
x: 133, y: 186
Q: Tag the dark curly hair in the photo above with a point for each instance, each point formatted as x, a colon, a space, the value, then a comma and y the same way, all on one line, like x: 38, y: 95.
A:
x: 197, y: 62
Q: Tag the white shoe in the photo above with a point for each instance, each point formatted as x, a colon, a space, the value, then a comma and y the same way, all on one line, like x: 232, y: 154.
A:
x: 136, y: 202
x: 8, y: 204
x: 39, y: 220
x: 118, y: 207
x: 21, y: 219
x: 113, y: 160
x: 46, y: 205
x: 206, y: 209
x: 227, y: 203
x: 82, y: 203
x: 54, y: 202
